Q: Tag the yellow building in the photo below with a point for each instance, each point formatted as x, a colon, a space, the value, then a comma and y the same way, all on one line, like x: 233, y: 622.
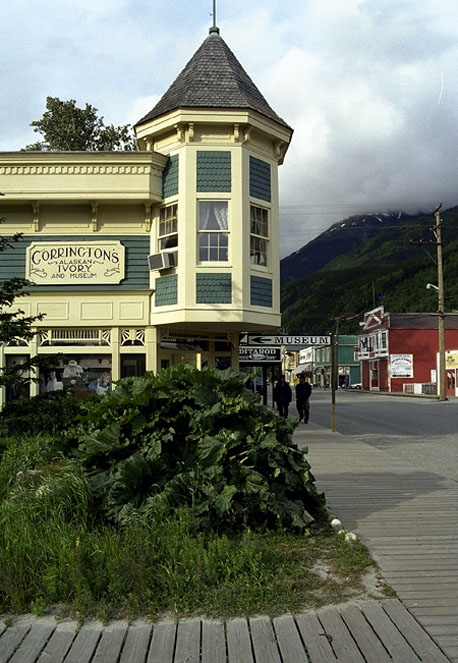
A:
x: 145, y: 259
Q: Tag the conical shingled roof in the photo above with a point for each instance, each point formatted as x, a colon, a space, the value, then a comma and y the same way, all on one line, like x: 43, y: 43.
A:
x: 213, y: 78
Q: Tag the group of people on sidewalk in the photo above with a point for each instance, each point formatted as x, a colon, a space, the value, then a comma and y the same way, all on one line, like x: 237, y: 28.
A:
x: 283, y: 397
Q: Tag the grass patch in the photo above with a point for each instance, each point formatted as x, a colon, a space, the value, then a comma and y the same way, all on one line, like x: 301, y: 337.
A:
x: 166, y: 567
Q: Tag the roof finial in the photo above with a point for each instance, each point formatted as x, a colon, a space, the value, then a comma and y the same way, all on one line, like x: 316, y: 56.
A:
x: 214, y: 29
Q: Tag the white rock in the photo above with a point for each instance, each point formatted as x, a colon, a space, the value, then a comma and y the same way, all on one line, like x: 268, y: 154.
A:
x: 350, y: 536
x: 335, y: 522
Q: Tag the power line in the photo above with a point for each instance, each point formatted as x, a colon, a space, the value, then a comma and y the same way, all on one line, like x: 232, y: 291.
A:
x: 391, y: 206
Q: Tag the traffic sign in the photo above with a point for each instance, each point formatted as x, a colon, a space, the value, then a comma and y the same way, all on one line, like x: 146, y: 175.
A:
x: 258, y: 354
x: 251, y: 339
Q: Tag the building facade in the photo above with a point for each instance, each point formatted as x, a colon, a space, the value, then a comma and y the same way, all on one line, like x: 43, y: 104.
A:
x: 399, y: 352
x: 141, y: 260
x: 348, y: 364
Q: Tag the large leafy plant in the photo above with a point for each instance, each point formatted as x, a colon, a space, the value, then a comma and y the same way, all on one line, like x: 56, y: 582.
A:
x: 200, y: 439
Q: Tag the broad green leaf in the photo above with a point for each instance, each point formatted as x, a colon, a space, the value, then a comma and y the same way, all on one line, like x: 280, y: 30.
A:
x: 224, y: 499
x: 210, y: 450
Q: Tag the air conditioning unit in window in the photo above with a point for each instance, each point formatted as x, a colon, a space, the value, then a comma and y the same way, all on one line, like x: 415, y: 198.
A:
x: 160, y: 261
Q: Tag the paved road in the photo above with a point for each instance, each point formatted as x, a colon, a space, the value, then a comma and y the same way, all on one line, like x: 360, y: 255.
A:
x: 422, y: 431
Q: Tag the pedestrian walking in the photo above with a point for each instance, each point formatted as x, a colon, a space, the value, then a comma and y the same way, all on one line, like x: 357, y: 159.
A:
x: 282, y: 396
x: 303, y: 393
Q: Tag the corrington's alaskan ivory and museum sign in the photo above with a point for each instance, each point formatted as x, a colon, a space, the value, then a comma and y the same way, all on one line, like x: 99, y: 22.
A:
x: 48, y: 263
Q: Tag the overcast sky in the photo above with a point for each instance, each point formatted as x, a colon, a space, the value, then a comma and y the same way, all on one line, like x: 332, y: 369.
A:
x: 370, y: 87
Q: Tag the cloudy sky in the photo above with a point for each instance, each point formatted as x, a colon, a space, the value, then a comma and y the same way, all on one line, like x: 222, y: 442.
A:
x: 369, y: 86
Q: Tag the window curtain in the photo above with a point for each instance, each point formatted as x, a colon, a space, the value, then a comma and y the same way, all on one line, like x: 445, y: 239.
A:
x: 213, y: 216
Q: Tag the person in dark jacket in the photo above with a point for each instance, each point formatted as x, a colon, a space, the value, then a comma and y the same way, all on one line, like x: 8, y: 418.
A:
x: 282, y: 396
x: 303, y: 393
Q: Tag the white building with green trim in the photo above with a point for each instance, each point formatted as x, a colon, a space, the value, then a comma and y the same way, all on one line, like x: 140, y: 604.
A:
x: 145, y: 259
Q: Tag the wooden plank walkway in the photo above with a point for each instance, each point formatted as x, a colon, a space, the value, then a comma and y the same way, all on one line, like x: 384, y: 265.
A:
x: 365, y: 632
x: 407, y: 518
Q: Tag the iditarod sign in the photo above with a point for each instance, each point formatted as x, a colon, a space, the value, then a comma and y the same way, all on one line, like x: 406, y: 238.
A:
x: 259, y: 355
x: 71, y: 263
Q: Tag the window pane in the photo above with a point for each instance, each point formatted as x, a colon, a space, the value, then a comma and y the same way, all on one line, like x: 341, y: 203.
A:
x: 258, y: 221
x: 169, y: 242
x: 258, y: 251
x: 213, y: 215
x: 213, y: 246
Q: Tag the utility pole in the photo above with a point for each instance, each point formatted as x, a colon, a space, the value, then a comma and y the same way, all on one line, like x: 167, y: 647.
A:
x: 437, y: 231
x: 334, y: 373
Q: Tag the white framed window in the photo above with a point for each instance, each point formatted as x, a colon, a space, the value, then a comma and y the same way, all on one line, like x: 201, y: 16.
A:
x: 259, y: 236
x: 213, y: 235
x: 168, y: 228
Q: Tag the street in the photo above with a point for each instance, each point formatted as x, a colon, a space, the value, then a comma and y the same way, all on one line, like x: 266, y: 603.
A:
x: 422, y: 431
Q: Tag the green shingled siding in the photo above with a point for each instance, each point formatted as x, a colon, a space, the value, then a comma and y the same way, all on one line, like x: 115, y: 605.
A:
x: 166, y: 290
x: 260, y: 179
x: 213, y: 288
x: 170, y: 178
x: 261, y: 291
x: 136, y: 270
x: 213, y: 171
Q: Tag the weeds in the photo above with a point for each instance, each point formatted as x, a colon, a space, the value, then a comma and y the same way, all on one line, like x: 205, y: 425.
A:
x: 163, y: 566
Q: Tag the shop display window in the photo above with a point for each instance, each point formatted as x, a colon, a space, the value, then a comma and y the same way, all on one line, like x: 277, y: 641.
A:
x: 20, y: 389
x: 82, y: 374
x: 132, y: 366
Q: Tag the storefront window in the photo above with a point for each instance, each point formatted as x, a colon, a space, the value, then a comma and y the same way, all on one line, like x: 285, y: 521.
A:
x: 222, y: 363
x: 132, y: 366
x: 81, y: 374
x: 20, y: 389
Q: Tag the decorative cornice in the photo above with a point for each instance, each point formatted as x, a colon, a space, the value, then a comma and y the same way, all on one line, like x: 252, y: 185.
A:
x: 80, y: 169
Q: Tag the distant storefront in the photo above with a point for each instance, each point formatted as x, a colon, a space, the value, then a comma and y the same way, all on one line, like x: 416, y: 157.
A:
x: 399, y: 352
x: 348, y: 365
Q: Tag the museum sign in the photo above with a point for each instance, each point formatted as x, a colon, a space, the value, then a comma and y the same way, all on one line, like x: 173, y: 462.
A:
x: 69, y: 263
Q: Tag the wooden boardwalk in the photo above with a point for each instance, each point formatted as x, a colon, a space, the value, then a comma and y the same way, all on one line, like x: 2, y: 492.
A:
x: 407, y: 517
x: 368, y: 632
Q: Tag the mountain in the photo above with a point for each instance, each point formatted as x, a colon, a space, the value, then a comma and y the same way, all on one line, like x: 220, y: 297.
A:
x: 337, y: 240
x: 384, y: 269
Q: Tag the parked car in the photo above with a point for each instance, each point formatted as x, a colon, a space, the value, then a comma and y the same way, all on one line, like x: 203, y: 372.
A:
x: 356, y: 385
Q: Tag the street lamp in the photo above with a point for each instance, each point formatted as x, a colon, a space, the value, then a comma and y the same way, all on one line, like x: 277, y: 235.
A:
x: 441, y: 333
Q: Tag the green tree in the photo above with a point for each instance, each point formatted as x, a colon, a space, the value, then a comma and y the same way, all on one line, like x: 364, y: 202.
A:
x: 65, y: 127
x: 14, y: 324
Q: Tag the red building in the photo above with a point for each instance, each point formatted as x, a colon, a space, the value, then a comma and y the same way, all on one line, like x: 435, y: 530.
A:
x: 399, y: 352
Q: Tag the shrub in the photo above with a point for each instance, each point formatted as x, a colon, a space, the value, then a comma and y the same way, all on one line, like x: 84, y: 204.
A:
x: 49, y: 413
x: 198, y: 439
